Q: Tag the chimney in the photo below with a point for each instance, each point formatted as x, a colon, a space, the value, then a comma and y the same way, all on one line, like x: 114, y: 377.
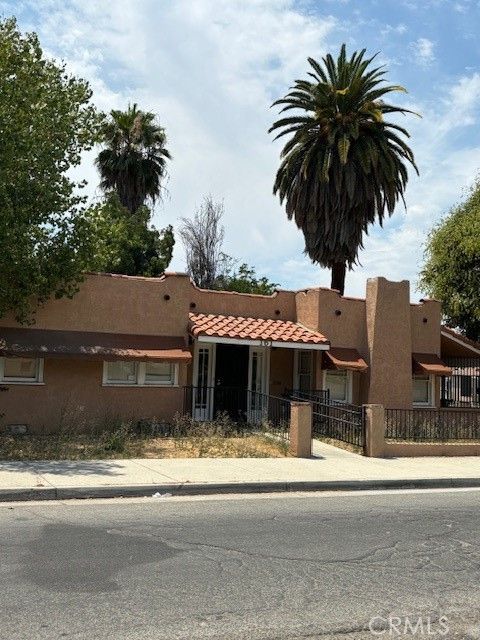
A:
x: 389, y: 339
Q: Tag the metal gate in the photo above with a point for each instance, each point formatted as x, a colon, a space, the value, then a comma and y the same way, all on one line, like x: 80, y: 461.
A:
x: 336, y: 420
x: 339, y: 421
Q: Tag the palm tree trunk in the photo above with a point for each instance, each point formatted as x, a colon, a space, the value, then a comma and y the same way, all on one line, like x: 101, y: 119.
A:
x: 338, y: 276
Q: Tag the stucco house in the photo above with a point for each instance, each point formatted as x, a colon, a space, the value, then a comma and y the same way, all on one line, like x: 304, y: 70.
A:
x: 132, y: 346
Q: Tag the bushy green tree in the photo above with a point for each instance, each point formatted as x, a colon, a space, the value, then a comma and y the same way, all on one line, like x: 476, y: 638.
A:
x: 451, y: 272
x: 243, y: 280
x: 345, y: 166
x: 126, y: 243
x: 46, y: 122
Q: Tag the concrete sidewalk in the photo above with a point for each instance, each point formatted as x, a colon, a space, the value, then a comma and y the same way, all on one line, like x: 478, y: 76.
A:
x: 330, y: 468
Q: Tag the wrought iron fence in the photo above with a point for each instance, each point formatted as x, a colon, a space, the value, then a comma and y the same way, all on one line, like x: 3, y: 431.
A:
x: 339, y: 421
x: 332, y: 419
x: 432, y: 425
x: 315, y: 395
x: 249, y: 409
x: 462, y: 388
x: 276, y: 415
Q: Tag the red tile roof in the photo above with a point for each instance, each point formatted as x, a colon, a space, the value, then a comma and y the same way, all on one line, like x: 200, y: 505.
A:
x: 253, y: 329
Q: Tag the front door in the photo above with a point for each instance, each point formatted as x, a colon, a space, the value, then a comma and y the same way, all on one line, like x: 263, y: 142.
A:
x: 231, y: 380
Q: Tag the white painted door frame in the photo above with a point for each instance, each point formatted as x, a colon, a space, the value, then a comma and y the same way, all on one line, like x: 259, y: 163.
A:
x: 203, y: 394
x: 258, y: 382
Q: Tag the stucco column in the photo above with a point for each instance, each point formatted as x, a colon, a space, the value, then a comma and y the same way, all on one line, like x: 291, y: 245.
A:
x: 389, y: 343
x: 374, y: 430
x: 301, y: 429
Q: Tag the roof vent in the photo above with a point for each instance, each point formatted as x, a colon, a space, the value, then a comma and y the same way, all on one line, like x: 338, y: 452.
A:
x: 166, y: 297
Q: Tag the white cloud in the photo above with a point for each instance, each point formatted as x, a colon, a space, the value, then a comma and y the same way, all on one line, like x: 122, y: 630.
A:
x: 423, y: 51
x: 398, y: 29
x: 463, y: 102
x: 211, y: 69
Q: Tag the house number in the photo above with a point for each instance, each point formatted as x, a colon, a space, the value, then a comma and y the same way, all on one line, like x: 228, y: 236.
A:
x: 266, y: 343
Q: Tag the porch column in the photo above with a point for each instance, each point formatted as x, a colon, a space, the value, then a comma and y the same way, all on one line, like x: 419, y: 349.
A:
x: 301, y: 429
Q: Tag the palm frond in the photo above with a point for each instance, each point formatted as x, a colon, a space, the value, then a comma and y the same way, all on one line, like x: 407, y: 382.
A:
x: 344, y: 166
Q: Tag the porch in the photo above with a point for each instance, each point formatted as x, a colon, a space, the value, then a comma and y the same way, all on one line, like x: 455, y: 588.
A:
x: 248, y: 367
x: 241, y: 365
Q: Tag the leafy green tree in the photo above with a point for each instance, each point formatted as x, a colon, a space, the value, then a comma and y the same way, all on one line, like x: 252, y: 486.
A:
x: 125, y: 243
x: 46, y: 122
x: 244, y: 280
x: 133, y: 162
x: 344, y: 167
x: 451, y: 272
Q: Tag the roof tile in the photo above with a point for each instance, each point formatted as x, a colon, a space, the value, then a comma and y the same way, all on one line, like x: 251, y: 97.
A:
x: 252, y: 329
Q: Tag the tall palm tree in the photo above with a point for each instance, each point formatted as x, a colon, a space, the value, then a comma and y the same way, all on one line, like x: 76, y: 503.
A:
x: 133, y: 163
x: 344, y: 166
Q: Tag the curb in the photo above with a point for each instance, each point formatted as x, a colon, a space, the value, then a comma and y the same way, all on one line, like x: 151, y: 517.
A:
x: 192, y: 489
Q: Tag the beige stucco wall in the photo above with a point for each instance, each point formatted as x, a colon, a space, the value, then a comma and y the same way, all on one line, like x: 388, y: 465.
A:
x: 420, y: 449
x: 124, y: 304
x: 119, y: 304
x: 385, y: 329
x: 73, y: 395
x: 343, y: 321
x: 389, y: 343
x: 425, y: 319
x: 241, y: 304
x: 281, y: 370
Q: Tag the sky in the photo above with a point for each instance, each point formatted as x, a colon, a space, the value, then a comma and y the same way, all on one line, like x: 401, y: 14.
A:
x: 211, y: 69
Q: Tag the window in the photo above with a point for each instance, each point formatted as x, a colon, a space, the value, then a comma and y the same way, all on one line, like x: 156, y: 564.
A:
x: 422, y: 390
x: 128, y: 373
x: 339, y: 385
x: 21, y: 370
x: 304, y: 370
x: 159, y: 373
x: 120, y: 372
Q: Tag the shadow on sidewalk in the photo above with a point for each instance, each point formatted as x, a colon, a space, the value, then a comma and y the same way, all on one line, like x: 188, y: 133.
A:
x: 64, y: 467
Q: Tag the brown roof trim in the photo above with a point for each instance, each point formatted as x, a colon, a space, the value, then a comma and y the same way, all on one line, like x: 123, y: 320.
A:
x: 429, y: 363
x: 92, y: 345
x: 458, y: 337
x: 344, y: 359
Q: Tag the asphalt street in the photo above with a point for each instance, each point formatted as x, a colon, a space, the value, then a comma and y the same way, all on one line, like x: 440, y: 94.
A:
x: 268, y: 567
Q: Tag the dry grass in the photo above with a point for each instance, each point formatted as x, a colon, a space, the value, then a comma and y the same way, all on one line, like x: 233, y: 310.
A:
x: 252, y: 446
x: 103, y: 448
x: 114, y: 438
